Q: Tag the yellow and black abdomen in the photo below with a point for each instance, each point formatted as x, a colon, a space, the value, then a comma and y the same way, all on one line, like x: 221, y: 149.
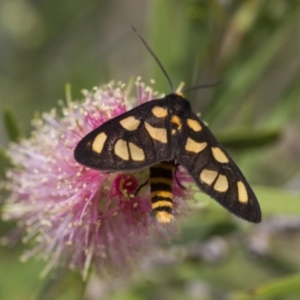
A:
x: 161, y: 187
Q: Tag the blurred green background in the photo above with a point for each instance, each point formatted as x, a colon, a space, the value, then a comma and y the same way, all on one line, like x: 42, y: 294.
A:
x: 253, y: 47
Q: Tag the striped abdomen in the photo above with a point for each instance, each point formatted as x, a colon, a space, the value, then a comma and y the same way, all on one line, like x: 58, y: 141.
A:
x: 161, y: 187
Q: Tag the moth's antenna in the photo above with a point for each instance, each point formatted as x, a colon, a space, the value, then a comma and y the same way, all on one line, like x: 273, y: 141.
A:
x: 202, y: 86
x: 155, y: 57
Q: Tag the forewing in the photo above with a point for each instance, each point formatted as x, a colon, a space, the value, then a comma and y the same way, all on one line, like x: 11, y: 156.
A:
x: 132, y: 141
x: 213, y: 169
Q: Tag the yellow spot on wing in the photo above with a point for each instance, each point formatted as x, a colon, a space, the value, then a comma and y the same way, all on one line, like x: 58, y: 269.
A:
x: 208, y: 176
x: 176, y: 120
x: 242, y: 192
x: 164, y: 217
x: 159, y: 112
x: 219, y: 155
x: 161, y: 204
x: 194, y: 146
x: 221, y: 185
x: 121, y: 149
x: 136, y: 152
x: 193, y: 124
x: 130, y: 123
x: 98, y: 142
x: 158, y: 134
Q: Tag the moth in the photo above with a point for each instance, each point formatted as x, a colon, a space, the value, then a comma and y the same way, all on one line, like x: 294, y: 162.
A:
x: 159, y: 135
x: 156, y: 135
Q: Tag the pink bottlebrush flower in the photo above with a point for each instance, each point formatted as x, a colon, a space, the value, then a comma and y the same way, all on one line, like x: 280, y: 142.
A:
x: 73, y: 215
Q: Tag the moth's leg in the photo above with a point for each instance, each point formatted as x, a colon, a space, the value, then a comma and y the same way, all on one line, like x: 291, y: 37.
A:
x: 141, y: 186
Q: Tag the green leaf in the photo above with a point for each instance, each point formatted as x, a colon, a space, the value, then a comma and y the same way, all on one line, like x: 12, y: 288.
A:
x: 287, y: 105
x: 3, y: 155
x: 5, y: 162
x: 11, y: 125
x: 279, y: 287
x: 272, y: 201
x: 243, y: 77
x: 245, y: 139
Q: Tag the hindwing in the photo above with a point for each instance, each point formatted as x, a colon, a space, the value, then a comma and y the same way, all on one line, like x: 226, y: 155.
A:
x: 132, y: 141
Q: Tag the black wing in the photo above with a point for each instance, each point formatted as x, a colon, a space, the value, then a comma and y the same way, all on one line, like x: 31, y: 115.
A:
x: 131, y: 141
x: 213, y: 169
